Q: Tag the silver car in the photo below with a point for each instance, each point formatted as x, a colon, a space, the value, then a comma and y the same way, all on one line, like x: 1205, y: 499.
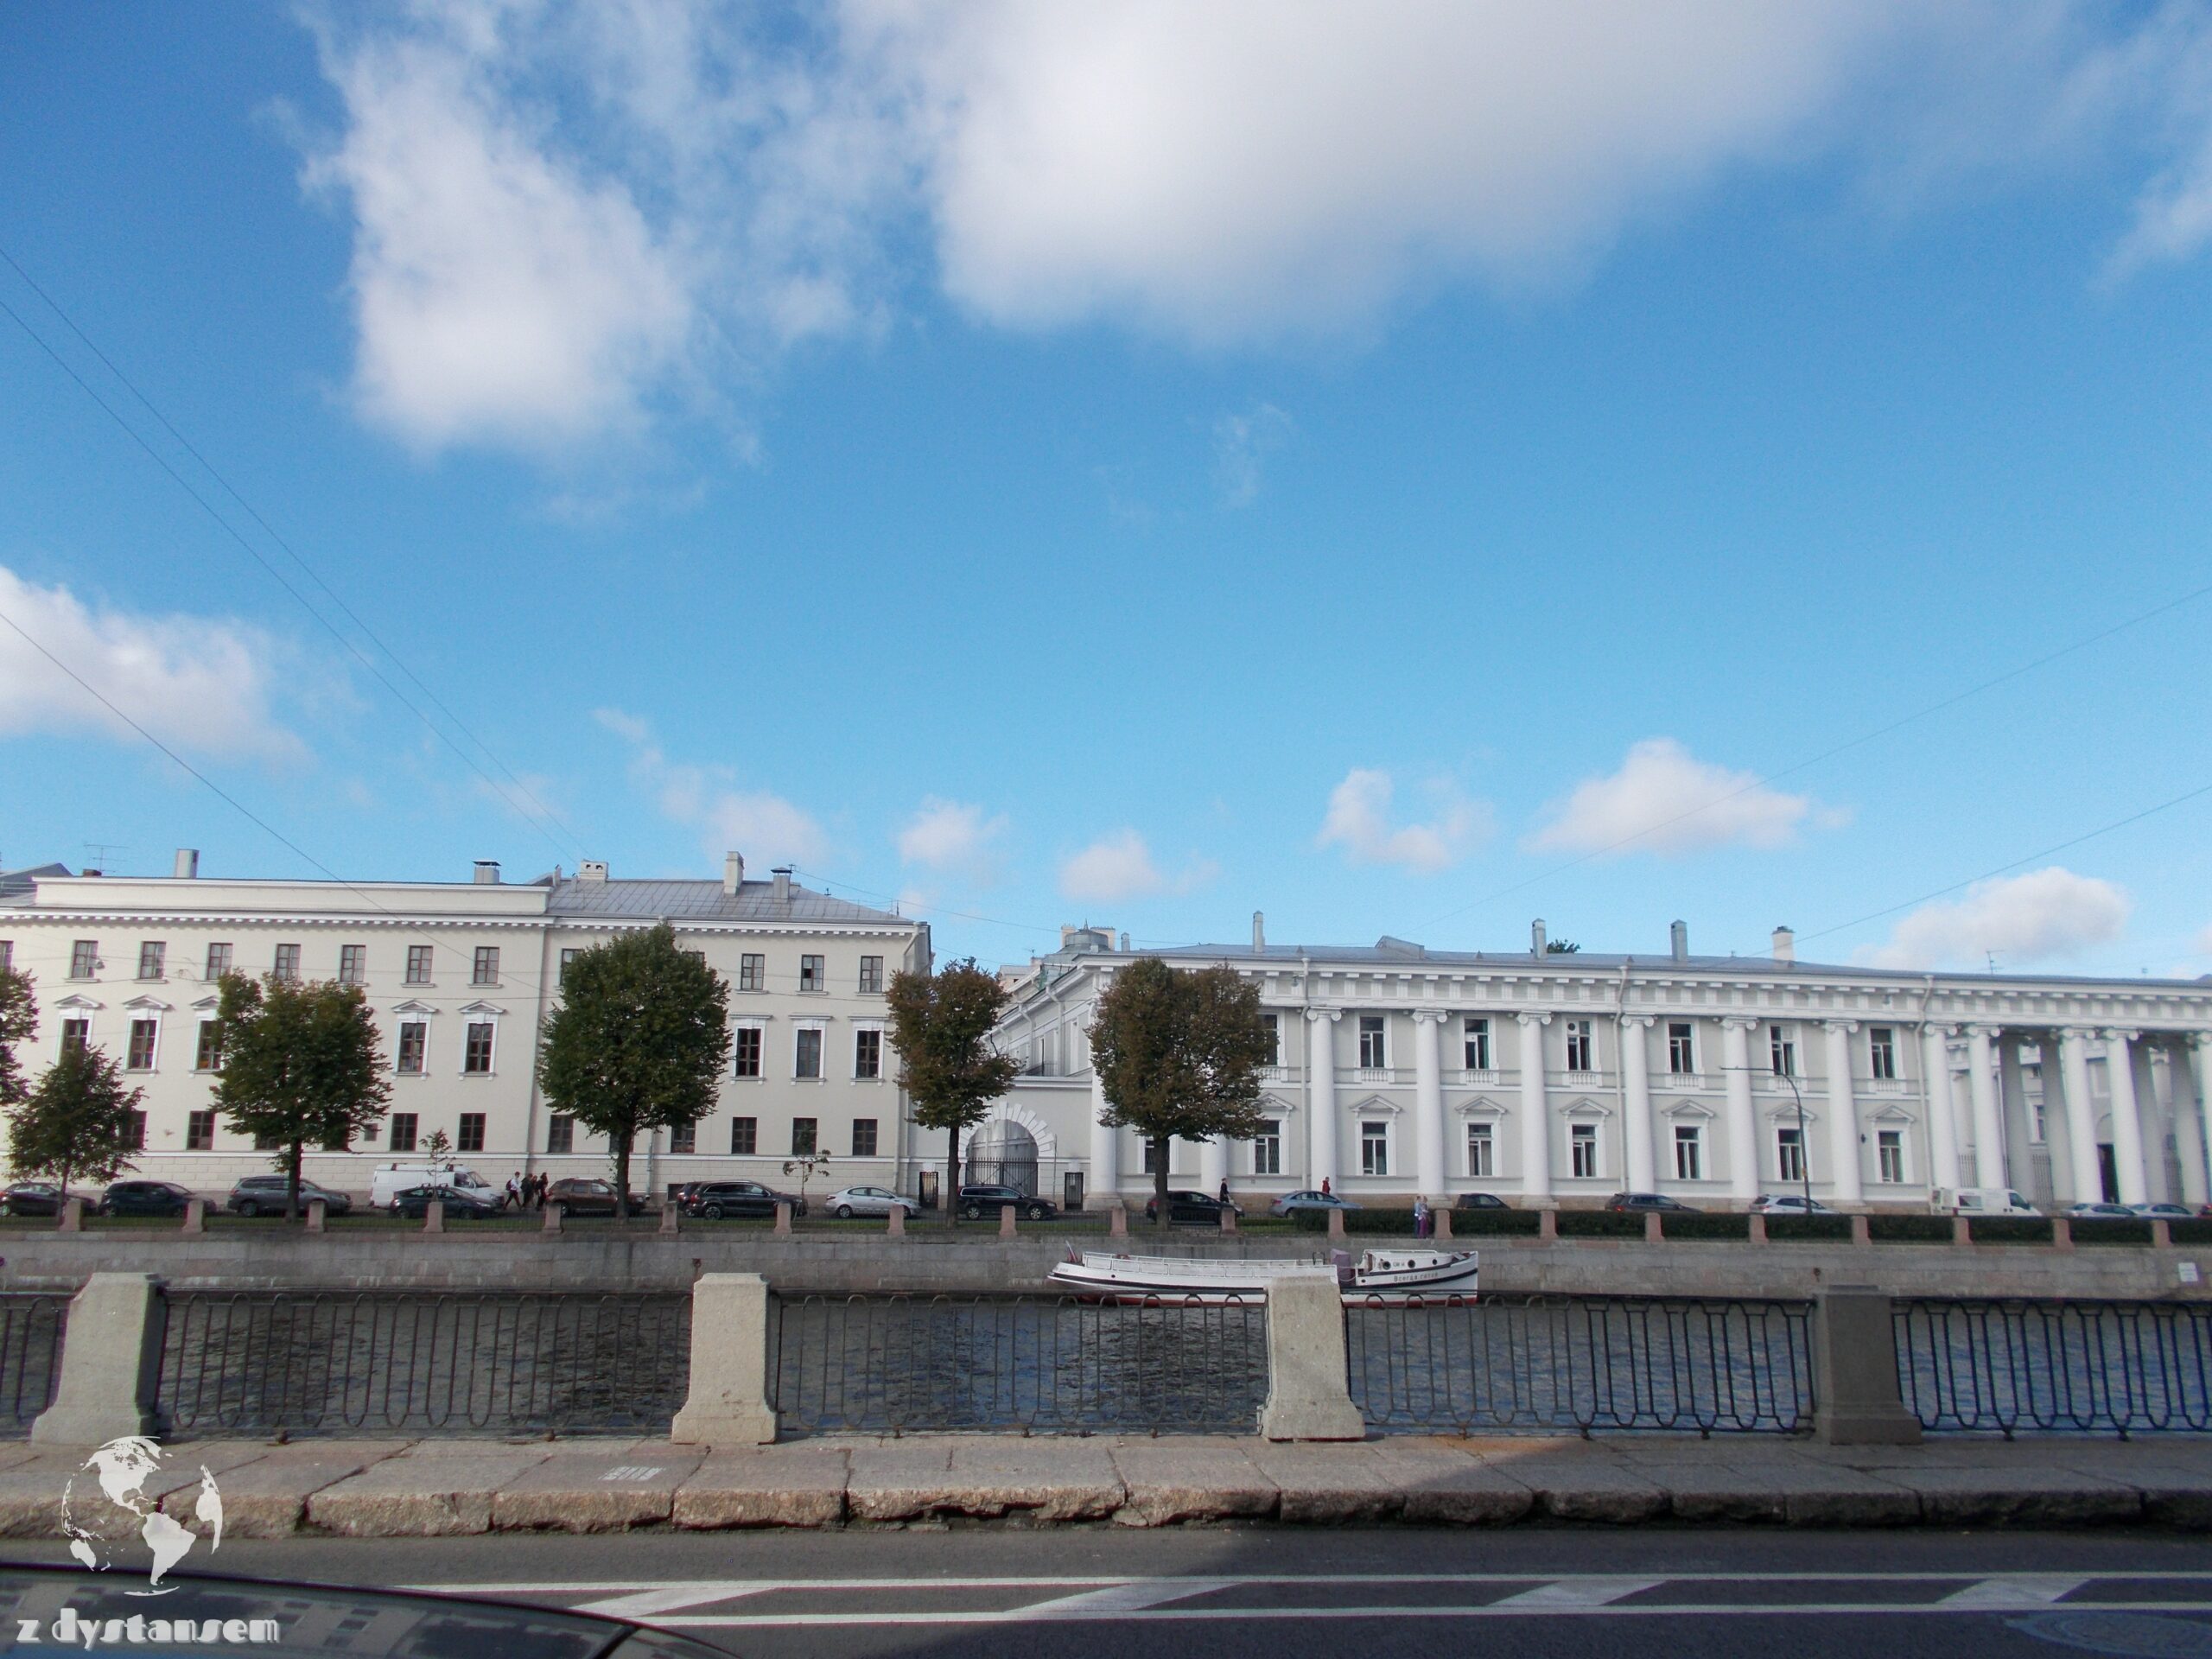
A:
x: 869, y: 1201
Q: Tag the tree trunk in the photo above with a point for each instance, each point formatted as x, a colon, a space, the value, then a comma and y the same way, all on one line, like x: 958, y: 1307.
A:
x: 1160, y: 1148
x: 292, y: 1183
x: 952, y: 1177
x: 622, y: 1176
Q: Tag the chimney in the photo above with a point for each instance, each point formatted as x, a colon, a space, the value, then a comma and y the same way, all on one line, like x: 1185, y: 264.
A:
x: 187, y: 863
x: 1678, y: 938
x: 1125, y: 944
x: 1259, y: 932
x: 1536, y: 936
x: 1785, y: 945
x: 783, y: 875
x: 592, y: 869
x: 487, y: 872
x: 733, y: 871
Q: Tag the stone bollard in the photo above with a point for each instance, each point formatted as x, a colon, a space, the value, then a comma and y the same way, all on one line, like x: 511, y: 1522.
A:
x: 1962, y: 1230
x: 1548, y: 1226
x: 2062, y: 1233
x: 553, y: 1213
x: 783, y: 1221
x: 728, y: 1402
x: 672, y: 1217
x: 1855, y: 1371
x: 318, y: 1216
x: 2162, y: 1234
x: 1228, y: 1220
x: 195, y: 1215
x: 1005, y: 1221
x: 1755, y: 1226
x: 111, y: 1363
x: 1862, y: 1231
x: 433, y: 1215
x: 72, y: 1216
x: 1117, y: 1221
x: 1655, y: 1230
x: 1442, y: 1215
x: 1336, y: 1225
x: 895, y: 1223
x: 1307, y: 1397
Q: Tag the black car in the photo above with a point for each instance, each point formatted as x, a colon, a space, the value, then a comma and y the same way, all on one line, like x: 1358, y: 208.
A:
x: 581, y: 1195
x: 261, y: 1195
x: 1479, y: 1201
x: 144, y: 1199
x: 461, y: 1203
x: 974, y: 1200
x: 1641, y: 1202
x: 31, y: 1198
x: 712, y: 1200
x: 1196, y: 1209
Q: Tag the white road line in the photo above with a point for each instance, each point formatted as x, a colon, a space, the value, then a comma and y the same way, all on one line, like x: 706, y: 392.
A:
x: 1129, y: 1598
x: 1578, y: 1593
x: 1961, y: 1576
x: 674, y: 1597
x: 2014, y: 1592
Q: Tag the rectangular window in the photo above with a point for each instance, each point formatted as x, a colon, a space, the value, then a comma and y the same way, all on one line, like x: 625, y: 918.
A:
x: 1681, y: 1050
x: 803, y: 1137
x: 134, y: 1137
x: 1375, y: 1149
x: 1789, y: 1155
x: 476, y: 1054
x: 152, y: 953
x: 807, y: 1056
x: 871, y: 975
x: 1482, y: 1152
x: 561, y: 1133
x: 1689, y: 1153
x: 353, y: 964
x: 218, y: 961
x: 1889, y: 1151
x: 1373, y: 1056
x: 744, y: 1136
x: 1477, y: 1036
x: 84, y: 958
x: 7, y: 955
x: 863, y: 1137
x: 867, y: 1053
x: 751, y: 972
x: 1267, y: 1148
x: 809, y: 974
x: 1580, y: 1050
x: 1782, y: 1053
x: 568, y: 955
x: 140, y: 1056
x: 1882, y: 1051
x: 486, y: 968
x: 75, y: 1035
x: 199, y: 1131
x: 418, y: 965
x: 414, y: 1043
x: 1274, y: 1024
x: 748, y: 1050
x: 209, y: 1055
x: 1582, y: 1150
x: 263, y: 1141
x: 403, y: 1131
x: 684, y: 1140
x: 287, y: 965
x: 1151, y: 1158
x: 471, y: 1138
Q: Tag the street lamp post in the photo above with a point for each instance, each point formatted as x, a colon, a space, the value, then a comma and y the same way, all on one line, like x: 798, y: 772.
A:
x: 1804, y: 1144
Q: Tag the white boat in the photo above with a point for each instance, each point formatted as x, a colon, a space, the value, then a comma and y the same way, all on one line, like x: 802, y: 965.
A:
x: 1388, y: 1274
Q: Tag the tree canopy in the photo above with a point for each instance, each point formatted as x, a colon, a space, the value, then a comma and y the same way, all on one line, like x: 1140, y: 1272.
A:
x: 941, y: 1024
x: 301, y: 1063
x: 79, y: 1122
x: 18, y: 1025
x: 638, y: 1043
x: 1178, y: 1055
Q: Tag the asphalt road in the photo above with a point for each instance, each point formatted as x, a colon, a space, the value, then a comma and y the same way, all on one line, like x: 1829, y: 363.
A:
x: 1256, y: 1592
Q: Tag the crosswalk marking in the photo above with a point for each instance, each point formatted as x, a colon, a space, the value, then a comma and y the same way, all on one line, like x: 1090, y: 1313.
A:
x: 1129, y: 1598
x: 1578, y: 1593
x: 673, y: 1598
x: 2014, y: 1592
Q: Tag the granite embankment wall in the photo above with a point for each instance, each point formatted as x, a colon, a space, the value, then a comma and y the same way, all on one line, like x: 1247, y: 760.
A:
x: 270, y: 1256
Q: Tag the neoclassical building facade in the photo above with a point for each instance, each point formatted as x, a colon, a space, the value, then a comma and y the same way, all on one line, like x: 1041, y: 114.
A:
x: 1549, y: 1077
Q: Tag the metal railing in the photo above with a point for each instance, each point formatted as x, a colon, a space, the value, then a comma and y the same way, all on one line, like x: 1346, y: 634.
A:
x: 1033, y: 1364
x: 1968, y: 1366
x: 385, y: 1363
x: 31, y: 1328
x: 1545, y: 1364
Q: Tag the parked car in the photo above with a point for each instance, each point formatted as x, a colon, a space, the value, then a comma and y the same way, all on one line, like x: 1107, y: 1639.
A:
x: 974, y: 1200
x: 1980, y: 1201
x: 586, y: 1195
x: 255, y: 1194
x: 144, y: 1199
x: 1789, y: 1203
x: 2090, y: 1209
x: 391, y: 1179
x: 1198, y: 1208
x: 1291, y: 1203
x: 2162, y: 1211
x: 868, y: 1201
x: 712, y: 1200
x: 31, y: 1198
x: 1641, y: 1202
x: 461, y: 1203
x: 1479, y: 1201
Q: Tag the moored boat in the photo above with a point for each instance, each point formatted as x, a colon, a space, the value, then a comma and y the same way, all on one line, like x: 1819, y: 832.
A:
x: 1387, y: 1274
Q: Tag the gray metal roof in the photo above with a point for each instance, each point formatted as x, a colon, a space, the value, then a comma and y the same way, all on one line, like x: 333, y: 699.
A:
x: 705, y: 901
x: 15, y: 886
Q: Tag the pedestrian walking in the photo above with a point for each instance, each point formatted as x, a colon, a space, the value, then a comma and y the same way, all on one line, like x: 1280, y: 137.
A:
x: 1225, y: 1190
x: 1324, y: 1187
x: 1421, y: 1218
x: 514, y: 1191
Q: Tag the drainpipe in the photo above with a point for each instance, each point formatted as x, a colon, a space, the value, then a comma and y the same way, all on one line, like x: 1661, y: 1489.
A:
x: 1620, y: 1073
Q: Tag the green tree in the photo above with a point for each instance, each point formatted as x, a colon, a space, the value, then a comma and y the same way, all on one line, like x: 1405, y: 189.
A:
x: 80, y: 1121
x: 1561, y: 948
x: 301, y: 1064
x: 437, y: 1151
x: 638, y: 1043
x: 941, y: 1024
x: 18, y: 1024
x: 1178, y: 1056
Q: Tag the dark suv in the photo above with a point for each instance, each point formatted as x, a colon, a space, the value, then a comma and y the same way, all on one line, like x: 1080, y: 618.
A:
x: 974, y: 1200
x: 1642, y: 1202
x: 712, y: 1200
x: 1198, y: 1208
x: 145, y: 1198
x: 256, y: 1195
x: 584, y: 1195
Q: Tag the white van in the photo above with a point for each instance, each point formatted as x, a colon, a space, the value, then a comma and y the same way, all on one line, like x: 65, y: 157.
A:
x: 391, y: 1179
x: 1980, y: 1201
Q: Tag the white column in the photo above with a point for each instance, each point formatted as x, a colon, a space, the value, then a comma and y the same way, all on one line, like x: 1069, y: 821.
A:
x: 1105, y: 1143
x: 2057, y: 1122
x: 1942, y: 1110
x: 1429, y: 1104
x: 2188, y: 1121
x: 2127, y: 1121
x: 2157, y: 1182
x: 1743, y: 1125
x: 1846, y: 1183
x: 1988, y: 1120
x: 2013, y: 1106
x: 2197, y: 1175
x: 2080, y: 1114
x: 1213, y: 1164
x: 1635, y: 1102
x: 1535, y: 1112
x: 1321, y: 1094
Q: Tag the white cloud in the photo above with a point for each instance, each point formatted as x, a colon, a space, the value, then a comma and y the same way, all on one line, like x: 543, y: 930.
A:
x: 2042, y: 916
x: 202, y: 684
x: 1120, y: 867
x: 1359, y: 821
x: 763, y: 826
x: 1663, y: 800
x: 1242, y: 444
x: 952, y: 836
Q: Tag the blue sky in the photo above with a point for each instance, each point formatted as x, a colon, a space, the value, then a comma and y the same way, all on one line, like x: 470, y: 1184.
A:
x: 1141, y: 465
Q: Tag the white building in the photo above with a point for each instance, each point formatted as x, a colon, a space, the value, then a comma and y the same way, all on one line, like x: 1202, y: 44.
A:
x: 462, y: 977
x: 1556, y: 1078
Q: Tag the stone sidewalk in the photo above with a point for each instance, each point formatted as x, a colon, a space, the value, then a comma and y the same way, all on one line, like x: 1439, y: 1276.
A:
x: 448, y: 1487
